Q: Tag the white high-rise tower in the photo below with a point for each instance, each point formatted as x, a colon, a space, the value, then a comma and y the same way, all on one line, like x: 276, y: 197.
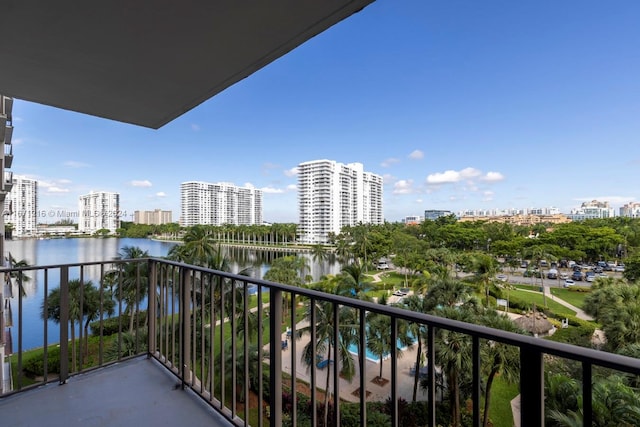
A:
x: 332, y: 195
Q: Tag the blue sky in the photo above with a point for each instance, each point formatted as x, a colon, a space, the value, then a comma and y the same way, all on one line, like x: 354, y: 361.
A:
x: 458, y: 104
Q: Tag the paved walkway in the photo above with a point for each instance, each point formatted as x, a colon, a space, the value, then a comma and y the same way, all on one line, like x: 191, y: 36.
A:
x: 580, y: 314
x: 348, y: 390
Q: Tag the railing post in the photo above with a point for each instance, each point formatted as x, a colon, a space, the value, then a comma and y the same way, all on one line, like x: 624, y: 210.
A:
x: 64, y: 324
x: 275, y: 354
x: 152, y: 316
x: 185, y: 327
x: 531, y: 387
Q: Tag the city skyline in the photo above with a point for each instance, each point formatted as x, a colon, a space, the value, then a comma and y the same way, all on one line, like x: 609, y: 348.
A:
x: 457, y: 105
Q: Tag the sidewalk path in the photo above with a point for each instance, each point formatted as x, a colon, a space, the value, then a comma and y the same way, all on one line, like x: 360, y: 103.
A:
x: 580, y: 314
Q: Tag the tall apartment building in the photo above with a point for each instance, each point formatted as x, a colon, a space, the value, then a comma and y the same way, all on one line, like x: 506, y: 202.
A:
x: 21, y: 206
x: 333, y: 195
x: 592, y: 210
x: 99, y: 210
x: 154, y: 217
x: 6, y: 289
x: 631, y: 210
x: 219, y: 203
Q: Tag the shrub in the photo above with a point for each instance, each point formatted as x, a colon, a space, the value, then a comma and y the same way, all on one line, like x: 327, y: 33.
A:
x: 34, y: 366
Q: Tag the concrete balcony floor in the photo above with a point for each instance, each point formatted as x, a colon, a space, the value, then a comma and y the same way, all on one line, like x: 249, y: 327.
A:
x: 138, y: 392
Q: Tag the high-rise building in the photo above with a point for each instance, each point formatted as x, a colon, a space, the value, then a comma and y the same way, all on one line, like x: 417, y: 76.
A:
x: 219, y: 203
x: 592, y: 210
x: 154, y: 217
x: 21, y: 206
x: 99, y: 210
x: 631, y: 210
x: 332, y: 195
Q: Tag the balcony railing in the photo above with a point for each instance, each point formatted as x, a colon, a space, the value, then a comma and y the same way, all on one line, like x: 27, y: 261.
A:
x: 235, y: 341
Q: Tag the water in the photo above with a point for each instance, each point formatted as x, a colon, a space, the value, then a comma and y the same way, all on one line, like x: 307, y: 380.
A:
x: 353, y: 349
x: 69, y: 251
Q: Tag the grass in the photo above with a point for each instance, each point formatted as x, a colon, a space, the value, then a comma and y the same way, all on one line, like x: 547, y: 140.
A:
x: 501, y: 395
x: 574, y: 298
x: 537, y: 298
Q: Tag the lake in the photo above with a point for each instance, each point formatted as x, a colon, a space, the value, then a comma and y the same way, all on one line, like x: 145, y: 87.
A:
x: 69, y: 251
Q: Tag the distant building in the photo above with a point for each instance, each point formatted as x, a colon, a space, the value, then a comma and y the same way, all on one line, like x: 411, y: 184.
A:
x: 218, y: 204
x: 631, y: 210
x: 592, y: 210
x: 21, y: 206
x: 526, y: 220
x: 412, y: 220
x: 332, y: 195
x: 432, y: 214
x: 154, y: 217
x: 99, y: 210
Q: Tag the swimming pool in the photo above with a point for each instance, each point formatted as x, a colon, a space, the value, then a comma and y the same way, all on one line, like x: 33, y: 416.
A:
x: 353, y: 349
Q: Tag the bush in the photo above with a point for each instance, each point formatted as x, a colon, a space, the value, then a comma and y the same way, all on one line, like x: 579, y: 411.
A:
x: 34, y: 366
x: 111, y: 325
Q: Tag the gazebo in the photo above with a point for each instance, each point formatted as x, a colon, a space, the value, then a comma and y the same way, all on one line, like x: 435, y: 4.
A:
x: 536, y: 323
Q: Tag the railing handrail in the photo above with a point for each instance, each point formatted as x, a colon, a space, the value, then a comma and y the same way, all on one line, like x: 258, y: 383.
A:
x: 564, y: 350
x: 568, y: 351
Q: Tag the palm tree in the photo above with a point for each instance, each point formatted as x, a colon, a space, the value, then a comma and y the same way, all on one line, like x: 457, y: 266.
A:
x: 453, y: 354
x: 319, y: 255
x: 325, y: 339
x: 90, y: 310
x: 132, y: 282
x: 18, y: 275
x: 485, y: 267
x: 498, y: 358
x: 418, y: 304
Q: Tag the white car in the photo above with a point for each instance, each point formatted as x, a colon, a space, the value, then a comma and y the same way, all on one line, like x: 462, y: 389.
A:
x: 619, y: 268
x: 564, y: 276
x: 568, y: 283
x: 502, y: 277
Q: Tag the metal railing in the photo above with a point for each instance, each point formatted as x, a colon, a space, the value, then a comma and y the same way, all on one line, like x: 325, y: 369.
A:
x: 223, y: 336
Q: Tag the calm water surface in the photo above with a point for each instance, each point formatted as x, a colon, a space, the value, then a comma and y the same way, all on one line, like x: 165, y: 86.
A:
x: 69, y: 251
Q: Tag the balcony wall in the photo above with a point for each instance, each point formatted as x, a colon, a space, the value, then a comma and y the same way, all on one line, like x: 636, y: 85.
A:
x: 191, y: 322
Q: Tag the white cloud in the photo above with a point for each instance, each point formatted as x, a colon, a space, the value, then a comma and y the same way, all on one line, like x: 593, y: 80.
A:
x: 419, y: 201
x: 76, y: 165
x: 403, y: 186
x: 292, y: 187
x: 249, y: 185
x: 451, y: 176
x: 388, y: 162
x: 54, y: 189
x: 161, y: 194
x: 195, y: 127
x: 141, y: 183
x: 54, y: 186
x: 291, y: 172
x: 416, y: 155
x: 271, y: 190
x: 17, y: 141
x: 388, y: 179
x: 493, y: 177
x: 487, y: 196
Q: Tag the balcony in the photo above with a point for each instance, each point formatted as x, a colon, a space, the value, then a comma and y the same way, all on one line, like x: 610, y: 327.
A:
x: 7, y: 183
x: 174, y: 346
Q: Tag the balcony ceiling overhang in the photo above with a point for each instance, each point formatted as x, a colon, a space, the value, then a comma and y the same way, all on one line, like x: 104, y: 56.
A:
x: 148, y: 62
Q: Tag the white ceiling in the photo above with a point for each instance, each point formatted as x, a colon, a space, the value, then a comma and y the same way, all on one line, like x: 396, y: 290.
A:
x: 147, y: 62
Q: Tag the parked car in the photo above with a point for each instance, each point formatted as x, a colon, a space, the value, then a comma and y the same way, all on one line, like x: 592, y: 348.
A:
x: 597, y: 269
x: 577, y: 276
x: 568, y: 283
x: 502, y: 277
x: 619, y: 268
x: 382, y: 265
x: 564, y: 276
x: 552, y: 274
x: 524, y: 264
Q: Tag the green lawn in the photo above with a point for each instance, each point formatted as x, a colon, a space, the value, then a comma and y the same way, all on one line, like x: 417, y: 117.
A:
x: 537, y: 298
x: 501, y: 395
x: 572, y: 297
